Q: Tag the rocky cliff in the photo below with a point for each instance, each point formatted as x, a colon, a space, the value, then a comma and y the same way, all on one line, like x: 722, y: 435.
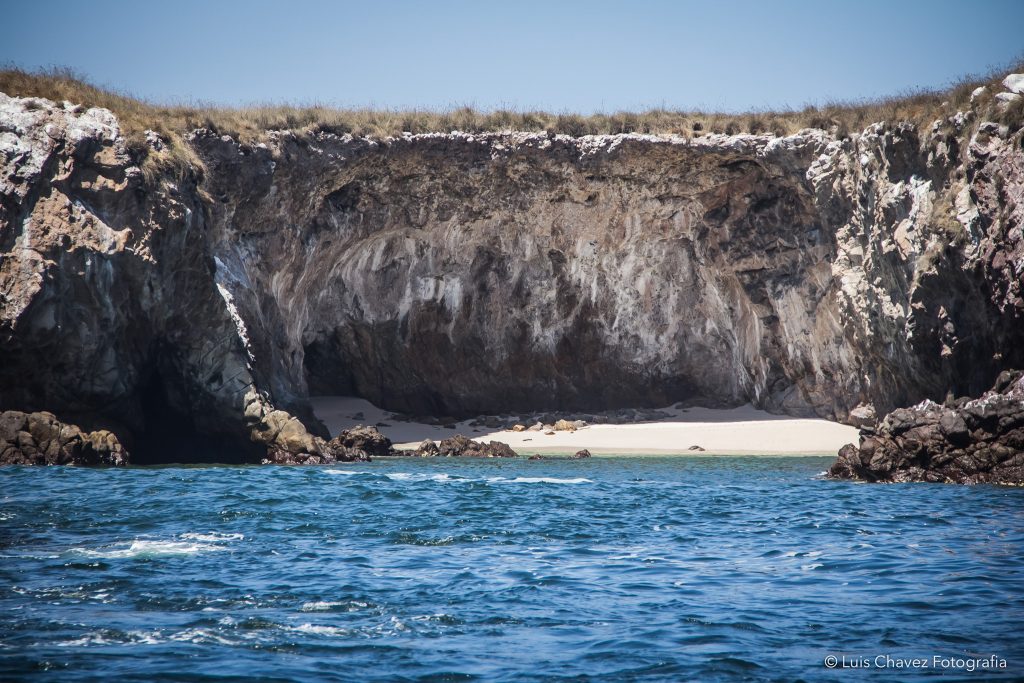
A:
x: 460, y: 274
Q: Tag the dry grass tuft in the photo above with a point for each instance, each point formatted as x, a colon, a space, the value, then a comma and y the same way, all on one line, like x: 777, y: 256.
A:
x: 249, y: 123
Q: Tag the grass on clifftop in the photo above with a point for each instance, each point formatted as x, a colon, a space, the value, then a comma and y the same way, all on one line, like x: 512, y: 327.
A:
x: 248, y: 123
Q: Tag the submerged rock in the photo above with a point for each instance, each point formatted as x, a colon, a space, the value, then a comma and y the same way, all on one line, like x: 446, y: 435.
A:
x: 969, y: 442
x: 42, y: 439
x: 580, y: 454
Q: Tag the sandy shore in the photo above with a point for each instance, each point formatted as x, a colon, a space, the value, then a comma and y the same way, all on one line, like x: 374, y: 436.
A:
x: 744, y: 430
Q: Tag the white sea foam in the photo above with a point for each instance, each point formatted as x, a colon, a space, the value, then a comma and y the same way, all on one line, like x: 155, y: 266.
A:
x: 322, y: 630
x: 444, y: 477
x: 320, y: 606
x: 419, y: 476
x: 189, y: 544
x: 547, y: 480
x: 86, y: 640
x: 213, y: 537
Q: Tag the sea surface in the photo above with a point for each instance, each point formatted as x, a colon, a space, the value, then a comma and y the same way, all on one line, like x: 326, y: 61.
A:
x: 608, y: 569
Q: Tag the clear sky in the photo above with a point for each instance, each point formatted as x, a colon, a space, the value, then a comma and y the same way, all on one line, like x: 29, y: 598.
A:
x: 589, y: 56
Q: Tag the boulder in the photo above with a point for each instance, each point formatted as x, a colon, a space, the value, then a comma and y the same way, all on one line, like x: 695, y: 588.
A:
x: 580, y: 454
x: 427, y: 448
x: 564, y: 426
x: 862, y: 415
x: 366, y: 439
x: 1014, y: 83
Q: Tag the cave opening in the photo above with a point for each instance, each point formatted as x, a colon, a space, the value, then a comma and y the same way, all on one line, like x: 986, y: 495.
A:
x: 169, y: 434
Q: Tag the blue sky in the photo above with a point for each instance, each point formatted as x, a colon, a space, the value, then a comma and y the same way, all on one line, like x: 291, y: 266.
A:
x: 560, y: 56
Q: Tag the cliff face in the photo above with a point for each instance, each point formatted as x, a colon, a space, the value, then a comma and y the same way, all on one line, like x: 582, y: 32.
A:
x: 454, y: 273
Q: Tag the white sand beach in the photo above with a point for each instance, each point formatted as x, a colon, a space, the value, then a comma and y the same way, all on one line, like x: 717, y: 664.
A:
x: 738, y: 431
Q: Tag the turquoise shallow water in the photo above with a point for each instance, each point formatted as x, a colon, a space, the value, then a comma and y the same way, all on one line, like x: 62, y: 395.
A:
x: 686, y: 568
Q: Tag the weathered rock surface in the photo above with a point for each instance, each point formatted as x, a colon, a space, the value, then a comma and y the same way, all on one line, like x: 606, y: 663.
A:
x: 41, y: 439
x: 110, y: 309
x: 463, y: 446
x: 456, y: 274
x: 969, y: 441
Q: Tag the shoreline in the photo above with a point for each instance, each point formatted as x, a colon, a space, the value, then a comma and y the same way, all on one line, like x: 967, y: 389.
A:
x: 743, y: 431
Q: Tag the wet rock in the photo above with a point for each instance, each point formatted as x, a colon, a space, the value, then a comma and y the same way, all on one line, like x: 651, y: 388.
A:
x: 41, y: 439
x: 695, y: 447
x: 969, y: 442
x: 580, y: 454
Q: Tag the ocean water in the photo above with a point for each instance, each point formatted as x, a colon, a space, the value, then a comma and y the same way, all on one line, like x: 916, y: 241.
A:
x: 609, y: 569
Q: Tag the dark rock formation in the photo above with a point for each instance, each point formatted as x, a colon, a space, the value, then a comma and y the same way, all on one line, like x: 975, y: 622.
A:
x: 366, y: 439
x: 463, y: 446
x: 41, y: 439
x: 358, y: 443
x: 458, y: 274
x: 969, y: 441
x: 110, y: 308
x: 580, y: 454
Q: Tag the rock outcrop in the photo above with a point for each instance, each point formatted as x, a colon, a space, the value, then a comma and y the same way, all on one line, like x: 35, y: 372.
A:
x: 110, y: 309
x: 455, y: 274
x: 968, y: 441
x: 463, y: 446
x: 369, y: 440
x: 41, y: 439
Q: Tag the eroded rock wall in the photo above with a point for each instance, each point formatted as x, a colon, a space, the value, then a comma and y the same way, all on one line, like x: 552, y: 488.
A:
x: 456, y: 274
x: 460, y: 274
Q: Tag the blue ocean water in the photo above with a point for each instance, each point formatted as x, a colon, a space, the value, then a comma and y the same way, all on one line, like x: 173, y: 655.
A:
x: 608, y: 569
